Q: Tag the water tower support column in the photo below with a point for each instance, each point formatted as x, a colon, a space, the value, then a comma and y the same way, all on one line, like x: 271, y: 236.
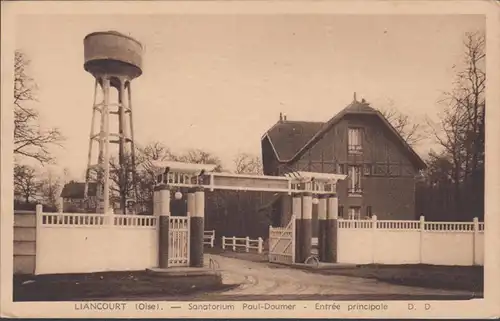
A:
x: 105, y: 140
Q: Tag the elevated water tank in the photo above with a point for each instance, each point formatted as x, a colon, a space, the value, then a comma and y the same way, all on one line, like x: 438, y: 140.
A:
x: 113, y: 53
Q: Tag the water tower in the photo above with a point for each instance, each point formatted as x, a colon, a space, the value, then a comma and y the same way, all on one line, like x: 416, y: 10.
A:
x: 114, y: 60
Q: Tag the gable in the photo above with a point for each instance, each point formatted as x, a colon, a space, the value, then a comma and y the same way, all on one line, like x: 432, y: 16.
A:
x: 288, y: 137
x: 290, y: 140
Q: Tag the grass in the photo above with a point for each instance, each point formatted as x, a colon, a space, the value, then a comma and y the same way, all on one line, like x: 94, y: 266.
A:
x: 76, y: 287
x: 466, y: 278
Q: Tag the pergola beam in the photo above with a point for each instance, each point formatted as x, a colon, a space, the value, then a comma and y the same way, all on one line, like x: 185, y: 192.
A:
x: 177, y: 174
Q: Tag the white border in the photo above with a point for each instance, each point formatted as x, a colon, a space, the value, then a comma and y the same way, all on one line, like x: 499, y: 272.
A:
x: 486, y: 308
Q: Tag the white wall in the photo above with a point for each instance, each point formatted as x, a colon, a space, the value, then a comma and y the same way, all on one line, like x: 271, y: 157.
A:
x: 355, y: 246
x: 71, y: 248
x: 410, y: 242
x: 447, y: 248
x: 396, y: 247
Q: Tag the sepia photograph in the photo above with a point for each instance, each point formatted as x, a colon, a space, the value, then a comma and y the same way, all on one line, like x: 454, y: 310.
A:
x: 267, y: 159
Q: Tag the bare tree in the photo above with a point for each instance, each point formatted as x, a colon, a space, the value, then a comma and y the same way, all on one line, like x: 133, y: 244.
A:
x: 460, y: 129
x: 246, y: 163
x: 50, y: 188
x: 411, y: 131
x: 25, y: 182
x: 199, y: 156
x: 29, y: 139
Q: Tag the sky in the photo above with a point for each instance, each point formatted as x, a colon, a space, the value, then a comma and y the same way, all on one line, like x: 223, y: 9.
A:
x: 218, y: 82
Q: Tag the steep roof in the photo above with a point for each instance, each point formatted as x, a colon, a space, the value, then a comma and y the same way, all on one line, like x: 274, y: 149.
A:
x: 77, y: 189
x: 288, y: 137
x: 291, y: 151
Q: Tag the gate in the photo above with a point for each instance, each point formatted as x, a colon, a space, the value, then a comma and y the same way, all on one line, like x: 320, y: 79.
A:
x: 178, y: 241
x: 282, y: 243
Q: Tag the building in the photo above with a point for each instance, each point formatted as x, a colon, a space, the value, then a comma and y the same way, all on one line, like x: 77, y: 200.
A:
x: 358, y: 142
x: 72, y: 195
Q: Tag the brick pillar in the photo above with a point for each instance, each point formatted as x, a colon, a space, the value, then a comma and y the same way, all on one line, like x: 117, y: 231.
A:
x: 164, y: 224
x: 297, y: 212
x: 306, y: 235
x: 331, y: 229
x: 322, y: 215
x: 197, y: 224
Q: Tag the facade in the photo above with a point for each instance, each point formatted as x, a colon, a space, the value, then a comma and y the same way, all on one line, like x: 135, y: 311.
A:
x: 73, y: 199
x: 358, y: 142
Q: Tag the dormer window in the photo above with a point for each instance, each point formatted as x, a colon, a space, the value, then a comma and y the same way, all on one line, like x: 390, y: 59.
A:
x: 354, y: 141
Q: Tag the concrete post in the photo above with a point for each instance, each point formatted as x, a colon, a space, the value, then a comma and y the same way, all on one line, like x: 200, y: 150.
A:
x: 422, y: 232
x: 191, y: 202
x: 197, y: 227
x: 306, y: 238
x: 331, y: 232
x: 156, y: 201
x: 297, y: 212
x: 474, y: 240
x: 322, y: 214
x: 164, y: 225
x: 374, y: 237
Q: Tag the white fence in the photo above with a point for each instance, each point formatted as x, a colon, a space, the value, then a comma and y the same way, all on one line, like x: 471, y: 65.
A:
x: 82, y: 243
x: 410, y: 242
x: 245, y: 242
x: 209, y: 238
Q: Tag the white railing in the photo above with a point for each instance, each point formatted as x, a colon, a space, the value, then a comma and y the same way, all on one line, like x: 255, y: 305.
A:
x: 373, y: 223
x: 82, y: 220
x: 398, y: 225
x: 246, y: 242
x: 209, y: 238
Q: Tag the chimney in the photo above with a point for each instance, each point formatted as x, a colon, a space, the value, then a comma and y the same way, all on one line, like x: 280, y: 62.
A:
x: 284, y: 117
x: 281, y: 116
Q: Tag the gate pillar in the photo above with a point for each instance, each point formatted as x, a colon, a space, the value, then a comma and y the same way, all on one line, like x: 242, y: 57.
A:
x: 331, y: 231
x: 297, y: 212
x: 322, y: 214
x: 306, y: 230
x: 197, y: 227
x: 163, y: 210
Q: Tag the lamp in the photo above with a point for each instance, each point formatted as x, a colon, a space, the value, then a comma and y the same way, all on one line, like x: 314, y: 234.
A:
x: 315, y: 201
x: 178, y: 195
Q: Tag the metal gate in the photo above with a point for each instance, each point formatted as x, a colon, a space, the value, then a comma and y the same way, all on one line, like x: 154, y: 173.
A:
x: 178, y: 241
x: 282, y: 243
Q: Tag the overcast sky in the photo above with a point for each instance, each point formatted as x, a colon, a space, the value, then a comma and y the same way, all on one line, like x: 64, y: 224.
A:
x: 219, y: 82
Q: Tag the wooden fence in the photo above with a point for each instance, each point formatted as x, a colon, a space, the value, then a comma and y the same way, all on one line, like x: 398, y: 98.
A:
x: 243, y: 242
x: 209, y: 238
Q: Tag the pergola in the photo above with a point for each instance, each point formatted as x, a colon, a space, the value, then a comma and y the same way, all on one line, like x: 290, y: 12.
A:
x: 179, y: 174
x: 197, y: 178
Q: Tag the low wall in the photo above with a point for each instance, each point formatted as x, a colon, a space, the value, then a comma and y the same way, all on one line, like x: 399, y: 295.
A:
x: 24, y: 242
x: 81, y: 243
x: 410, y: 242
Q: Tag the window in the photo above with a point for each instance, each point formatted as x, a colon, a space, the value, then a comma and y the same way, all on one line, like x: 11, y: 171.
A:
x: 354, y: 140
x: 341, y: 211
x: 354, y: 180
x: 340, y: 169
x: 354, y: 213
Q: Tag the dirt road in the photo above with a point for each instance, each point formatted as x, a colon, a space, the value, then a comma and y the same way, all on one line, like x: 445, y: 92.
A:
x: 262, y: 279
